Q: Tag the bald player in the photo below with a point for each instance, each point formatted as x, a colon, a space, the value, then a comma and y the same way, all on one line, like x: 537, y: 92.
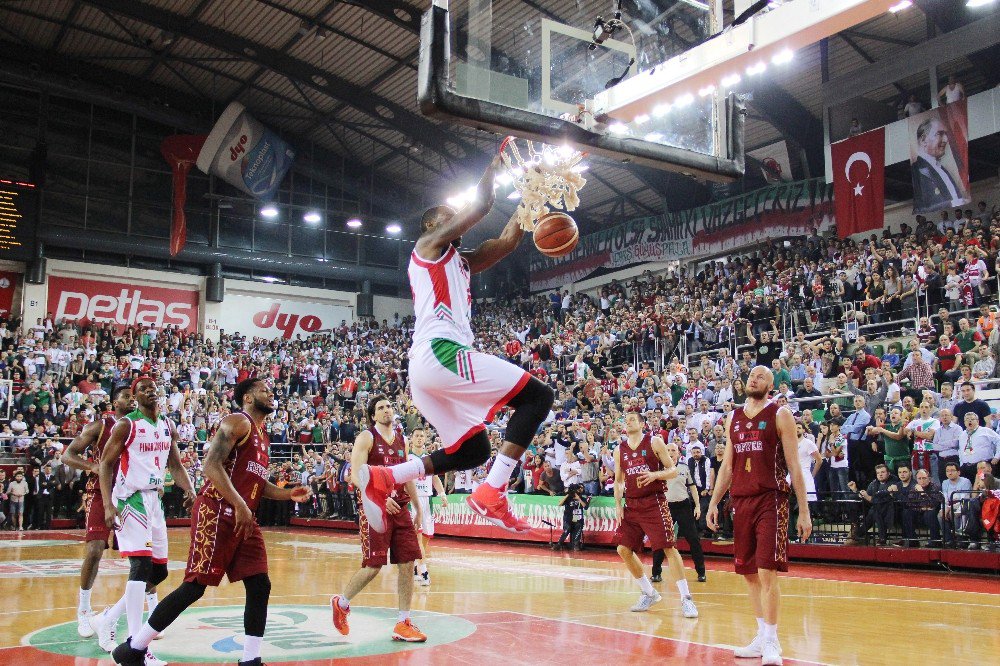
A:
x: 761, y: 449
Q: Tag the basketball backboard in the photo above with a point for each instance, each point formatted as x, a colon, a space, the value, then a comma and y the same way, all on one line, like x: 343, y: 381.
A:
x: 531, y: 68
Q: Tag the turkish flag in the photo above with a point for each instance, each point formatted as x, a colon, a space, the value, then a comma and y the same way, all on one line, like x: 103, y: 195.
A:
x: 859, y: 182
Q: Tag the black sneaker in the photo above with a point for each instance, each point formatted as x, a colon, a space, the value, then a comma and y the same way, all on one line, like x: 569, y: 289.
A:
x: 701, y: 578
x: 656, y: 579
x: 252, y: 662
x: 126, y: 655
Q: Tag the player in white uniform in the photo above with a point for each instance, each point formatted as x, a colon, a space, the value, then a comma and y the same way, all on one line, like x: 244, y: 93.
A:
x: 456, y: 387
x: 425, y: 489
x: 142, y: 445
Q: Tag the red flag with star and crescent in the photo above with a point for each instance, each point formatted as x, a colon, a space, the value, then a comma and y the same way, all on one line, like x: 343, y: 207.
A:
x: 859, y: 182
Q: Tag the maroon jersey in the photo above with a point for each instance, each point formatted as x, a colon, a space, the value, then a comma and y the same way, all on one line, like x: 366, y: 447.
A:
x: 386, y: 454
x: 758, y: 460
x: 246, y: 467
x: 107, y: 424
x: 635, y: 462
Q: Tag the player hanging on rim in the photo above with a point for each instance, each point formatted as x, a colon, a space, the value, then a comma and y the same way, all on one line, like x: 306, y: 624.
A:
x: 225, y: 538
x: 761, y: 449
x: 642, y: 468
x: 425, y: 489
x: 383, y: 443
x: 454, y: 386
x: 94, y: 437
x: 142, y: 444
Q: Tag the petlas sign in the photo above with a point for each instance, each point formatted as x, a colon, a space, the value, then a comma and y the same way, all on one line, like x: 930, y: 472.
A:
x: 284, y: 317
x: 123, y: 304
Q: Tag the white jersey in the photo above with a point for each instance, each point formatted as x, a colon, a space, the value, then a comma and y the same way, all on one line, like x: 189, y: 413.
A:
x: 425, y: 487
x: 144, y: 458
x: 442, y: 298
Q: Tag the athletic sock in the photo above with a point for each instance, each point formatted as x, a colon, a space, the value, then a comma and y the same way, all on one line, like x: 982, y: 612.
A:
x: 770, y: 631
x: 143, y: 637
x: 408, y: 471
x: 645, y: 586
x: 135, y: 590
x: 84, y: 600
x: 682, y: 587
x: 760, y: 626
x: 404, y: 616
x: 251, y: 647
x: 116, y: 611
x: 422, y: 569
x: 500, y: 471
x: 343, y: 602
x: 151, y: 601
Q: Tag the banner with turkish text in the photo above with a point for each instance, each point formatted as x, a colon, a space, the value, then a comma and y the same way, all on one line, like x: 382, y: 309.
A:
x: 8, y: 284
x: 939, y: 157
x: 859, y: 182
x: 122, y: 304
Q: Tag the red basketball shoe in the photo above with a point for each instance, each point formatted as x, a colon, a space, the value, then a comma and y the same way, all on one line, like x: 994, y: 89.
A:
x: 340, y: 615
x: 491, y: 503
x: 375, y: 484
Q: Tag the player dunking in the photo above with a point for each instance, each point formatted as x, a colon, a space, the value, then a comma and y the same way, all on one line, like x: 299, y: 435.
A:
x: 642, y: 467
x: 454, y: 386
x: 383, y: 444
x: 761, y: 449
x: 425, y: 488
x: 144, y: 443
x: 93, y: 437
x: 225, y: 538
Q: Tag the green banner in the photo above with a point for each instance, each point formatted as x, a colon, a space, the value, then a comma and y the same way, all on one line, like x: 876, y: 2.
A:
x: 536, y: 509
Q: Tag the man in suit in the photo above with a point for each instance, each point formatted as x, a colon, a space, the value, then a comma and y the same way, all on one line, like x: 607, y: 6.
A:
x: 934, y: 187
x: 42, y: 486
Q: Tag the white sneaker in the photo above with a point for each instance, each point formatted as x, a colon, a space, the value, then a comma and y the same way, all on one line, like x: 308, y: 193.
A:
x: 83, y: 623
x: 688, y: 607
x: 771, y: 653
x: 752, y: 651
x: 645, y: 601
x: 106, y: 630
x: 152, y: 660
x: 425, y: 581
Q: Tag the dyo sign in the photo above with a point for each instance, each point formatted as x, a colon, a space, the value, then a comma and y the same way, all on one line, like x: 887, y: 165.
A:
x: 285, y: 322
x: 283, y: 317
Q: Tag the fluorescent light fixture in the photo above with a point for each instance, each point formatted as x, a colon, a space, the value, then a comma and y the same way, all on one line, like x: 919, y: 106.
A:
x: 783, y: 57
x: 270, y: 278
x: 270, y: 211
x: 641, y: 119
x: 661, y: 110
x: 730, y: 81
x: 618, y: 128
x: 654, y: 136
x: 354, y: 223
x: 706, y: 91
x: 903, y: 4
x: 684, y: 100
x: 312, y: 217
x: 394, y: 228
x: 758, y: 68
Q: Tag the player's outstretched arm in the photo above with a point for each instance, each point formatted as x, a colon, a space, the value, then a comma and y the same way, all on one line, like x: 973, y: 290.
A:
x: 790, y: 446
x: 109, y: 459
x: 73, y: 455
x: 469, y: 216
x: 492, y: 251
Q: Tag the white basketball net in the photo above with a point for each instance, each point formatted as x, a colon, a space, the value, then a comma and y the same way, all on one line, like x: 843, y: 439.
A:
x: 546, y: 176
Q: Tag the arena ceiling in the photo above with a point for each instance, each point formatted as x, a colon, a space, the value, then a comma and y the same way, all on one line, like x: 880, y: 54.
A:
x: 339, y: 76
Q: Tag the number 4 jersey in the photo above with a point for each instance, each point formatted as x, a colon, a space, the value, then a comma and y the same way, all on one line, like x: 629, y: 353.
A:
x: 758, y: 460
x: 144, y: 458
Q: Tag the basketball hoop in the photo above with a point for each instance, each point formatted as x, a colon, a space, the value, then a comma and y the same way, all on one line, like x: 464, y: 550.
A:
x: 546, y: 176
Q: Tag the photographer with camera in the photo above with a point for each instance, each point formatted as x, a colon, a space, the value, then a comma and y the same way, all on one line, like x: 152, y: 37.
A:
x: 575, y: 504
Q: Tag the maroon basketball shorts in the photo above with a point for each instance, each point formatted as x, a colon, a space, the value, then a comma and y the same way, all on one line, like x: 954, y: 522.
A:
x: 398, y: 544
x: 215, y: 551
x: 760, y: 532
x: 646, y: 516
x: 97, y: 529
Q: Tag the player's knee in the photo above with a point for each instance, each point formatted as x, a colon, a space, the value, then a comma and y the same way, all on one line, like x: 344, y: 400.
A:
x: 258, y: 587
x: 95, y: 551
x: 624, y: 551
x: 190, y: 592
x: 157, y: 574
x: 472, y: 453
x: 140, y: 568
x: 531, y: 407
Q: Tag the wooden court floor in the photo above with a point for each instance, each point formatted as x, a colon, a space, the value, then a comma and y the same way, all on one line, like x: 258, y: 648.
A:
x: 496, y: 603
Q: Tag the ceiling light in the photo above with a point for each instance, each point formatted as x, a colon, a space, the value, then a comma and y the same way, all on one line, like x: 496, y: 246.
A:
x: 618, y: 128
x: 661, y: 110
x: 270, y: 278
x: 653, y: 136
x: 684, y: 100
x: 901, y: 5
x: 730, y: 81
x: 312, y: 217
x: 270, y: 211
x: 786, y: 56
x: 354, y: 223
x: 972, y: 4
x: 759, y: 68
x: 394, y: 228
x: 706, y: 91
x: 639, y: 120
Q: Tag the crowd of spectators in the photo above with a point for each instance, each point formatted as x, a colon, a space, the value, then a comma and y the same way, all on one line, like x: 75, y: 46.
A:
x: 878, y: 347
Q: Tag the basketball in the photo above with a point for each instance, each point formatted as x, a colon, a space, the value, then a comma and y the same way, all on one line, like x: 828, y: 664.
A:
x: 556, y: 234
